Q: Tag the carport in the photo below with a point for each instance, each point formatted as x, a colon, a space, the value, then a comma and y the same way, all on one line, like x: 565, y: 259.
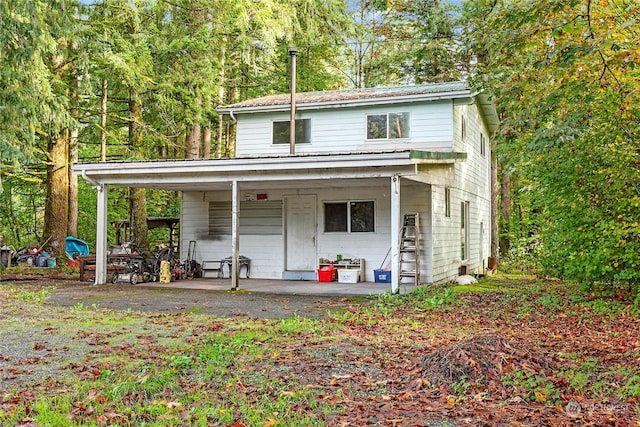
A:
x: 283, y: 171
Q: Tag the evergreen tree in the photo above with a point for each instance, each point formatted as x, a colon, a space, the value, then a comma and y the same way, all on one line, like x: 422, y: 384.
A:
x: 566, y: 78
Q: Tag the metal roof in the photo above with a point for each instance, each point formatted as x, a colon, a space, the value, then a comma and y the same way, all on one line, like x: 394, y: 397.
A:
x: 266, y: 171
x: 352, y: 97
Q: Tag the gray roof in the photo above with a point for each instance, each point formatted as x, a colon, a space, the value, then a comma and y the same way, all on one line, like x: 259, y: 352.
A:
x: 352, y: 97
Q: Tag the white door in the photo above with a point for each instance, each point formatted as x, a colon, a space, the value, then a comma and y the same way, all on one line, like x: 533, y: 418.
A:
x: 300, y: 233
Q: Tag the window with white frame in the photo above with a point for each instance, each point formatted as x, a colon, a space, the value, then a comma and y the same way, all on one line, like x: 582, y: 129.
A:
x: 349, y: 217
x: 388, y: 126
x: 483, y: 145
x: 282, y: 131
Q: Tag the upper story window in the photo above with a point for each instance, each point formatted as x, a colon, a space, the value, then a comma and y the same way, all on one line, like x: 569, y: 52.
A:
x: 388, y: 126
x: 282, y: 131
x: 483, y: 145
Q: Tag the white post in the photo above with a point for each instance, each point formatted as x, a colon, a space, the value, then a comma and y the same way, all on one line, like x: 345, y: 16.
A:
x: 292, y: 123
x: 395, y: 233
x: 235, y: 241
x: 101, y: 236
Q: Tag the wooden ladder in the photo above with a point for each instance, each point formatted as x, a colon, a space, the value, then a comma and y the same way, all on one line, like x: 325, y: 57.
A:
x: 410, y: 248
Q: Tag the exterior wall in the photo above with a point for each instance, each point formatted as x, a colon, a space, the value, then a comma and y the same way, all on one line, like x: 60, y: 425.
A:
x: 435, y: 126
x: 267, y: 252
x: 416, y: 197
x: 472, y: 184
x: 335, y: 130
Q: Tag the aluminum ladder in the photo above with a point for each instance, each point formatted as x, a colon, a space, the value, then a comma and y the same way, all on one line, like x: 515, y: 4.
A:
x: 410, y: 248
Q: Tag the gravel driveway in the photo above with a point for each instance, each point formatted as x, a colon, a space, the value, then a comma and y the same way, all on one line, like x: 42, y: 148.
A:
x: 218, y: 303
x: 40, y: 341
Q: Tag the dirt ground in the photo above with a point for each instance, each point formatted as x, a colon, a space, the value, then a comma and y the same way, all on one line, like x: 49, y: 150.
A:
x: 72, y: 292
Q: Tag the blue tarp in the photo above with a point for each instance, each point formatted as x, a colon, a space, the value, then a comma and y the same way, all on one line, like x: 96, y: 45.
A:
x: 75, y: 247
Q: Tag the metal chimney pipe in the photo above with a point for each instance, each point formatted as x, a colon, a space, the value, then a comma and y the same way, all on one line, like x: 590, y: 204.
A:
x: 292, y: 130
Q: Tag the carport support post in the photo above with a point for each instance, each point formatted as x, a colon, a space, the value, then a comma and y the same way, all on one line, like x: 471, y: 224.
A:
x: 235, y: 257
x: 395, y: 233
x: 101, y: 236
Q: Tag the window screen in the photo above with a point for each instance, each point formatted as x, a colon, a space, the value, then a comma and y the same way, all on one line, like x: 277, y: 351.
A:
x: 362, y: 217
x: 354, y: 217
x: 282, y: 130
x: 335, y: 217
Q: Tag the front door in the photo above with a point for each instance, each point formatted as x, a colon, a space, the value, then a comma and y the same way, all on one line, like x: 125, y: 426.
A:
x: 300, y: 229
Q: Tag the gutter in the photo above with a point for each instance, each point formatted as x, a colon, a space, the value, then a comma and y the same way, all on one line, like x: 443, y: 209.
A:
x: 89, y: 180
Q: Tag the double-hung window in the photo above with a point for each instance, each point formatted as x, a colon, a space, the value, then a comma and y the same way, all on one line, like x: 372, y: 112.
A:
x: 388, y: 126
x: 349, y: 217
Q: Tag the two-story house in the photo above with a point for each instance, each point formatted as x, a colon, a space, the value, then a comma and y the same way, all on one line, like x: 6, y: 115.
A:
x: 363, y: 162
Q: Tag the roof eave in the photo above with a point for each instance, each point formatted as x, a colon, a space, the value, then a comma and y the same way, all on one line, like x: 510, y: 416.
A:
x: 362, y: 102
x: 489, y: 112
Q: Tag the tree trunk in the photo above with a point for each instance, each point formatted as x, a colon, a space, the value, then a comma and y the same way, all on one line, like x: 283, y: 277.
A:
x: 103, y: 121
x: 138, y: 220
x: 505, y: 206
x: 57, y: 205
x: 72, y: 226
x: 192, y: 142
x: 137, y: 196
x: 227, y: 148
x: 219, y: 137
x: 206, y: 143
x: 217, y: 153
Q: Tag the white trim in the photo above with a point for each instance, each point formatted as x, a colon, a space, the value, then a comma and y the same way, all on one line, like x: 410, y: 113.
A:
x: 101, y: 235
x: 235, y: 231
x: 395, y: 232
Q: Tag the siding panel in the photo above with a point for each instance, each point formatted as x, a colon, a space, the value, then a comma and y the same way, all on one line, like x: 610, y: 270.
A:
x: 337, y: 130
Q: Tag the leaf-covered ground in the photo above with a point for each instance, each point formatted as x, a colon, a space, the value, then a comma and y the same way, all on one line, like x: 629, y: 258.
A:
x: 509, y: 351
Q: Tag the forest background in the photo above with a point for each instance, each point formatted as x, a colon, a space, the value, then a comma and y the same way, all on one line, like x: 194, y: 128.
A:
x: 141, y: 79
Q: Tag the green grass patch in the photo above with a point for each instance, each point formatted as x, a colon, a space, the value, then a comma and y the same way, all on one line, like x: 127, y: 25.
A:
x: 39, y: 296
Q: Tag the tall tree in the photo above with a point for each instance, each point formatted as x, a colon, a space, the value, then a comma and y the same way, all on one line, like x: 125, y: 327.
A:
x: 566, y: 74
x: 405, y: 42
x: 35, y: 114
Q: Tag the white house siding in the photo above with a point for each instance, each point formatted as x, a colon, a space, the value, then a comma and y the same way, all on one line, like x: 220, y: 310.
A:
x: 474, y: 186
x: 267, y: 252
x: 446, y: 232
x: 416, y: 197
x: 335, y: 130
